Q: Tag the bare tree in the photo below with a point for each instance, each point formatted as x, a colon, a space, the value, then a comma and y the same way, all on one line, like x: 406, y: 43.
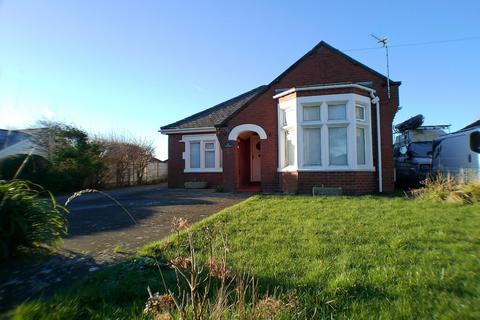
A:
x: 141, y: 153
x: 123, y: 156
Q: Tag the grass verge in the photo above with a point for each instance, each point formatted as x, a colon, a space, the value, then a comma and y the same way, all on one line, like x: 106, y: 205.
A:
x: 346, y: 257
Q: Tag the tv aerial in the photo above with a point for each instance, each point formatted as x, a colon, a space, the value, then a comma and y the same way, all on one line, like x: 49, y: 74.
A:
x: 384, y: 43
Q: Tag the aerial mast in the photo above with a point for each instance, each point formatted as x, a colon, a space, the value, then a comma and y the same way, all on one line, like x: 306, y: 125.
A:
x: 384, y: 43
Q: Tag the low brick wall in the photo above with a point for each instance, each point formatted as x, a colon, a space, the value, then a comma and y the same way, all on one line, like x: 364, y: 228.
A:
x: 357, y: 182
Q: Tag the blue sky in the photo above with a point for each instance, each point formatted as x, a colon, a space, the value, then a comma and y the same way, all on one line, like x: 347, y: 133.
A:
x: 132, y: 66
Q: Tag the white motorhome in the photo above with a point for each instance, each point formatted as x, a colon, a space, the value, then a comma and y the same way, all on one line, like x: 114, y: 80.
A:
x: 458, y: 155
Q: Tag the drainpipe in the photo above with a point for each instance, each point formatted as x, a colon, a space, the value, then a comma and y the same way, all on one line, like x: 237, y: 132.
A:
x: 376, y: 101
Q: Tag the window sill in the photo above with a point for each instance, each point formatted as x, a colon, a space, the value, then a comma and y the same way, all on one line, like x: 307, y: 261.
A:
x: 214, y: 170
x: 338, y: 169
x: 288, y: 169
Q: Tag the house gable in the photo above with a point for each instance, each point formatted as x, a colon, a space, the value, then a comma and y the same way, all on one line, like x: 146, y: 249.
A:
x: 323, y: 64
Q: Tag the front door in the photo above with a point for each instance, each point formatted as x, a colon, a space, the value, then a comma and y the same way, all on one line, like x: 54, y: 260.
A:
x: 255, y: 174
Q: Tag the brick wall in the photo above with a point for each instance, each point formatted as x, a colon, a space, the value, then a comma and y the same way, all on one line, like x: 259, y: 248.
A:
x: 289, y: 182
x: 351, y: 182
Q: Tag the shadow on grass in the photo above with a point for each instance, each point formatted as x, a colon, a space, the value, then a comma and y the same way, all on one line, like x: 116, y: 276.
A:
x: 40, y: 275
x: 120, y: 291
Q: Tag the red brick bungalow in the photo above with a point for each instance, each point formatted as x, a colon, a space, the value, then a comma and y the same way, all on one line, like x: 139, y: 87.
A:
x: 316, y: 124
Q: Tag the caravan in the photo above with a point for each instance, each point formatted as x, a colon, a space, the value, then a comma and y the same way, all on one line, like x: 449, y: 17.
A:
x: 458, y: 155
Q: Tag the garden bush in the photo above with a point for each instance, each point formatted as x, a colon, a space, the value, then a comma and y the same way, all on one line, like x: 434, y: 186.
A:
x: 29, y: 217
x: 33, y: 168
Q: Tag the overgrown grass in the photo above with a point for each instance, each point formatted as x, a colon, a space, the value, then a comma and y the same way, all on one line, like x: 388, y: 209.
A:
x: 347, y: 257
x: 449, y: 189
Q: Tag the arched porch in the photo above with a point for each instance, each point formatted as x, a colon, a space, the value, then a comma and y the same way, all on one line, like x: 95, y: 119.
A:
x: 248, y: 171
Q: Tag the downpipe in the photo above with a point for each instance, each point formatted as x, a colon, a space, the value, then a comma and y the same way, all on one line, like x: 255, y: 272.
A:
x: 376, y: 101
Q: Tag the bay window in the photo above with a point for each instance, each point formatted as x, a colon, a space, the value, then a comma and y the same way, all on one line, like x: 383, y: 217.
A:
x: 202, y: 153
x: 333, y: 133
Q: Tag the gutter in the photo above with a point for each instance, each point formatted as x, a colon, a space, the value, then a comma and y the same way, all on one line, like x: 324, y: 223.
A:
x: 376, y: 101
x: 188, y: 130
x: 333, y: 86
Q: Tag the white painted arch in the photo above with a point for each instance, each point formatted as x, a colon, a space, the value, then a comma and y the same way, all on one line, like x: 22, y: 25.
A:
x: 247, y: 127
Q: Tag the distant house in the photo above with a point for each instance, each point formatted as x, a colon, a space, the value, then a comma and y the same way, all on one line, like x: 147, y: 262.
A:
x: 326, y: 121
x: 15, y: 142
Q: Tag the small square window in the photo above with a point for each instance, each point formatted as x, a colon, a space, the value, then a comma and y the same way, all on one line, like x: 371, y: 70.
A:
x: 311, y: 113
x: 337, y: 112
x: 210, y: 145
x: 360, y: 112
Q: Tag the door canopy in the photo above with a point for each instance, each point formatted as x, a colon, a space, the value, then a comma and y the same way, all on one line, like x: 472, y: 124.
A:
x: 247, y: 127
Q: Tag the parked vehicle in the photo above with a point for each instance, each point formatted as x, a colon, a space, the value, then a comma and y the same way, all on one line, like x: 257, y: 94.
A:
x: 412, y: 151
x: 413, y: 162
x: 458, y: 155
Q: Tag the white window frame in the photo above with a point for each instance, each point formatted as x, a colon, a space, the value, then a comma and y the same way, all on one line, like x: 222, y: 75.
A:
x: 283, y: 109
x: 364, y: 111
x: 365, y: 124
x: 351, y: 123
x: 203, y: 139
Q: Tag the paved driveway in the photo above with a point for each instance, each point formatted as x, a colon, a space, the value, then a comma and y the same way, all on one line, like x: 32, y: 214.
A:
x: 100, y: 232
x: 99, y: 226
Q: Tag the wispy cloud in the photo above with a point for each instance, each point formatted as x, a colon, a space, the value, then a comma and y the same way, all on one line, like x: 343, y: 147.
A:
x: 11, y: 117
x: 47, y: 113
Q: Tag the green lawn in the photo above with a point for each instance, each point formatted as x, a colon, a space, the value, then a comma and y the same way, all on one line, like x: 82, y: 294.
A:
x: 348, y: 257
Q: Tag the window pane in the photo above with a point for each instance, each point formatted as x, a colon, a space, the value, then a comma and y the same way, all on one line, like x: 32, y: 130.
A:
x: 311, y: 113
x: 475, y: 141
x: 194, y: 154
x: 210, y: 146
x: 337, y: 141
x: 209, y: 159
x: 289, y: 148
x: 337, y: 112
x: 220, y: 159
x: 288, y: 117
x: 361, y: 146
x: 312, y: 146
x: 360, y: 112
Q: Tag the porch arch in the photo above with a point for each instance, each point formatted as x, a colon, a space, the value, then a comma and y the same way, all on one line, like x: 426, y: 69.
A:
x: 233, y: 135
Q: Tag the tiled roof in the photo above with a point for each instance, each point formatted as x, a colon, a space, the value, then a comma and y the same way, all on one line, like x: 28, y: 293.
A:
x: 216, y: 114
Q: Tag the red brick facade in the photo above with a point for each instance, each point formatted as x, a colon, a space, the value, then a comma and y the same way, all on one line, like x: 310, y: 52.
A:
x: 321, y: 66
